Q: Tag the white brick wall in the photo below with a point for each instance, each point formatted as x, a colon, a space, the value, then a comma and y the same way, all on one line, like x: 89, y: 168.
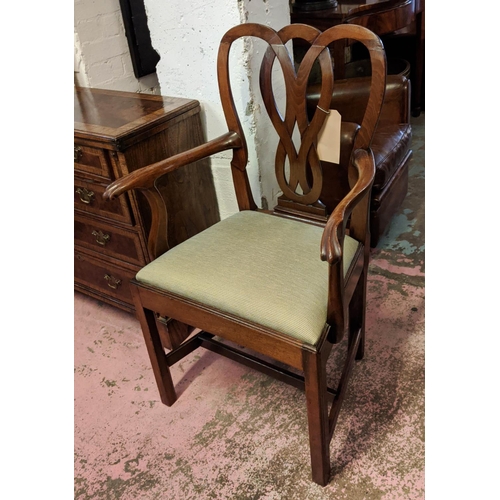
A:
x: 102, y: 56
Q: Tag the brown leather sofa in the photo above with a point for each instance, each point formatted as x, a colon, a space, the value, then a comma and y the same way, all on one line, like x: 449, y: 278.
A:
x: 391, y: 146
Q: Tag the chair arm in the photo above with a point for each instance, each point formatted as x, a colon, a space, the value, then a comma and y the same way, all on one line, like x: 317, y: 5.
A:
x: 331, y: 241
x: 145, y: 177
x: 350, y: 96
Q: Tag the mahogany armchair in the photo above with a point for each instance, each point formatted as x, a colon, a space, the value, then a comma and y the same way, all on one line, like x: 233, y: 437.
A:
x: 286, y: 284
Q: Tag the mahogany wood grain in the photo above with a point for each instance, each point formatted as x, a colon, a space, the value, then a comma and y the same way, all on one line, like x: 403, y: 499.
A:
x: 117, y: 241
x: 383, y: 17
x: 88, y: 197
x: 331, y: 247
x: 342, y: 386
x: 116, y: 120
x: 156, y: 351
x: 314, y: 366
x: 103, y: 280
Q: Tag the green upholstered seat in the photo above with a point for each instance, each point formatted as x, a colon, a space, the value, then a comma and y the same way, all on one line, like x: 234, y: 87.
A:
x: 256, y: 266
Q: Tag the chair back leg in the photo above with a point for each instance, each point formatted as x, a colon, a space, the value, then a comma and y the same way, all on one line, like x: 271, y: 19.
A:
x: 357, y: 314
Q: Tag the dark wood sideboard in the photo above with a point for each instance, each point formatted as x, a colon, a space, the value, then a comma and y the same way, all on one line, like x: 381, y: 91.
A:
x: 116, y: 133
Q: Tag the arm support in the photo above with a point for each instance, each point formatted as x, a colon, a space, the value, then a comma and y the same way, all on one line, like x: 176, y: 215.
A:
x: 145, y: 178
x: 331, y: 242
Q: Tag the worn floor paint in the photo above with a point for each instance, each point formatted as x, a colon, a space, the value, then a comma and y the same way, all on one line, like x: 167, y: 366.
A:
x: 237, y: 434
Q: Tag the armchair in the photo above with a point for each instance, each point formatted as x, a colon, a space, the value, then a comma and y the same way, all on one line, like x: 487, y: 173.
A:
x: 286, y: 284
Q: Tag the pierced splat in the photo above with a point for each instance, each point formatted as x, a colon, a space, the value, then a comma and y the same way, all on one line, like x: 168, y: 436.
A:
x: 305, y: 167
x: 302, y: 187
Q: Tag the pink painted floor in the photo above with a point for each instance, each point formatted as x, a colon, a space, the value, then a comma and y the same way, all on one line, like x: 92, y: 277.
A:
x: 237, y: 434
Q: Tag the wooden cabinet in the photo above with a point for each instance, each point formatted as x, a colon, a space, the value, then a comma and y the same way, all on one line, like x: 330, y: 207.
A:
x: 116, y: 133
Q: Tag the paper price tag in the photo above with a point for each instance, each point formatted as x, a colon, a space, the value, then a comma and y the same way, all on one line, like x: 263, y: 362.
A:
x: 328, y: 146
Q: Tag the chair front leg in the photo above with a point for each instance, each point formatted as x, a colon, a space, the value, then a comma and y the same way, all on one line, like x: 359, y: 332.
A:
x: 155, y: 349
x: 317, y: 415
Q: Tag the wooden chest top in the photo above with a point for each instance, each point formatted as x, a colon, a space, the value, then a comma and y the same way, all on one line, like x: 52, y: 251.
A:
x: 120, y: 118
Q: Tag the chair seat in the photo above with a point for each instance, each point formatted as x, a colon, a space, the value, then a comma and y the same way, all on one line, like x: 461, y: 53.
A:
x: 258, y: 267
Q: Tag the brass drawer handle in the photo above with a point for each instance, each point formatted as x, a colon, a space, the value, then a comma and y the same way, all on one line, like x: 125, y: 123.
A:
x: 112, y: 282
x: 78, y: 153
x: 100, y: 237
x: 85, y: 195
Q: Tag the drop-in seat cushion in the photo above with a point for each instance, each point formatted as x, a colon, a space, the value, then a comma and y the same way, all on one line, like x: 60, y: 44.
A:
x: 256, y: 266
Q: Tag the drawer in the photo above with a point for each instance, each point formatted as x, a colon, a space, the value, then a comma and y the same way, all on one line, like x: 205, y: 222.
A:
x: 103, y: 278
x: 88, y: 198
x: 92, y: 161
x: 108, y: 240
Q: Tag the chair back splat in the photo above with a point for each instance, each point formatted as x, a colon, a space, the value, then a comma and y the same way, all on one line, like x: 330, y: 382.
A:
x: 288, y: 284
x: 305, y: 169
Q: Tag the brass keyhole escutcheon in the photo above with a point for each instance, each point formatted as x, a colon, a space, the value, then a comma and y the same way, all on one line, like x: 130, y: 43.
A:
x: 86, y: 196
x: 112, y: 282
x: 100, y: 237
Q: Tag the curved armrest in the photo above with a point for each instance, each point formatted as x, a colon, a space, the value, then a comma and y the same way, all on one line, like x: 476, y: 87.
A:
x: 145, y: 177
x: 331, y: 247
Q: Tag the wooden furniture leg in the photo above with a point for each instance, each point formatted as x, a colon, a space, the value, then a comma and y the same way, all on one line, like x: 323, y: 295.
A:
x: 155, y: 349
x: 317, y: 416
x: 357, y: 313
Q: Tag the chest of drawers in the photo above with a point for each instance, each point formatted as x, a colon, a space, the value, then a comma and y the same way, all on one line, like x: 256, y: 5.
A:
x: 116, y: 133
